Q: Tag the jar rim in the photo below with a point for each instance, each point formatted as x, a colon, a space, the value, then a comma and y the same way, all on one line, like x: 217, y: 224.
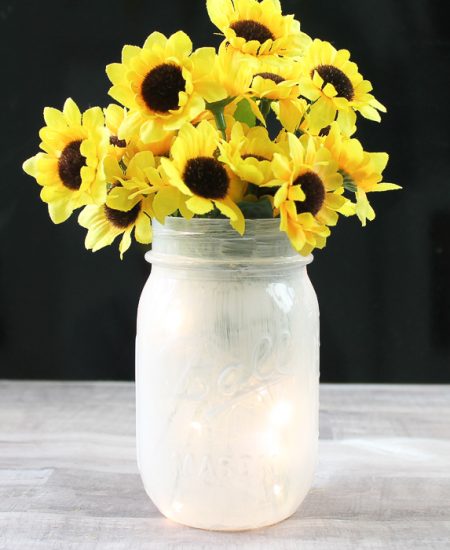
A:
x: 213, y: 242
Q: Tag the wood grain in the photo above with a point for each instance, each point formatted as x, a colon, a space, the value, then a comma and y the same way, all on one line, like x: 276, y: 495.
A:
x: 68, y: 476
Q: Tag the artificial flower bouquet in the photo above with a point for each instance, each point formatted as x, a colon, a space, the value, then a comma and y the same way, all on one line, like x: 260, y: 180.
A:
x: 264, y: 127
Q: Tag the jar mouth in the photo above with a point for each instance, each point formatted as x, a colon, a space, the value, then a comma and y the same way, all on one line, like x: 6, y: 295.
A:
x: 213, y: 242
x: 182, y: 226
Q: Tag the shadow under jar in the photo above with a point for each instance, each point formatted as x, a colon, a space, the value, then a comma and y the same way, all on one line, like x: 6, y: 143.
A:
x: 227, y: 375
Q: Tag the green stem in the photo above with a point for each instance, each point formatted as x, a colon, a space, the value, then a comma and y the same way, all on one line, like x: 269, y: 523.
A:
x: 264, y: 107
x: 217, y: 108
x: 219, y: 117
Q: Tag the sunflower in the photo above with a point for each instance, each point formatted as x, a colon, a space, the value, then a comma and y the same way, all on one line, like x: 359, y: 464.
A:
x: 115, y: 115
x: 128, y: 207
x: 362, y: 171
x: 257, y: 28
x: 303, y: 230
x: 70, y: 170
x: 234, y: 71
x: 163, y: 84
x: 197, y: 173
x: 309, y: 193
x: 336, y: 88
x: 145, y: 177
x: 249, y: 153
x: 277, y: 82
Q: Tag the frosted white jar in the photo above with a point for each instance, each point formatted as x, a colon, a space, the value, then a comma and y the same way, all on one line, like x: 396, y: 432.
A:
x: 227, y: 375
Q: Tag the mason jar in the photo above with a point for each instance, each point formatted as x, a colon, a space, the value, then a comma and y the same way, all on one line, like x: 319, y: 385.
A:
x: 227, y: 374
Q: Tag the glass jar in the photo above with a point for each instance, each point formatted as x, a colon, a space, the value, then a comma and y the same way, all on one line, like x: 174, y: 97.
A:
x: 227, y: 375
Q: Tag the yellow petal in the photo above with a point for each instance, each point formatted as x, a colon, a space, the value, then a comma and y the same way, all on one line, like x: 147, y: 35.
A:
x: 72, y: 112
x: 174, y: 176
x: 60, y: 210
x: 296, y: 193
x: 280, y: 196
x: 119, y: 199
x: 152, y: 131
x: 347, y: 121
x: 379, y: 160
x: 199, y: 205
x: 123, y: 95
x: 93, y: 117
x: 125, y: 243
x: 386, y: 187
x: 128, y: 52
x: 220, y: 12
x: 370, y: 113
x: 232, y: 211
x: 143, y: 229
x: 290, y: 114
x: 112, y: 169
x: 55, y: 119
x: 30, y: 166
x: 166, y: 202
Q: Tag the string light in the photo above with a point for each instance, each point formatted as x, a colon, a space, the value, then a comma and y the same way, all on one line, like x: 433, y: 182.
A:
x: 281, y: 413
x: 177, y: 506
x: 277, y: 489
x: 196, y: 426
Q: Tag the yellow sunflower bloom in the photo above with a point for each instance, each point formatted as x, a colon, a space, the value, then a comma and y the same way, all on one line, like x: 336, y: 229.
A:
x: 70, y: 168
x: 115, y: 116
x: 164, y: 84
x: 278, y: 82
x: 127, y: 208
x: 309, y: 194
x: 145, y: 177
x: 197, y: 173
x: 234, y: 72
x: 258, y: 28
x: 303, y: 230
x: 335, y: 86
x: 362, y: 171
x: 249, y: 153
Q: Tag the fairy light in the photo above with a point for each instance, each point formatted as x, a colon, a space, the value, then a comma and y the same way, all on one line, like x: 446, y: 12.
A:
x: 281, y: 414
x: 272, y: 443
x: 197, y: 427
x: 277, y: 489
x: 177, y: 506
x: 173, y: 320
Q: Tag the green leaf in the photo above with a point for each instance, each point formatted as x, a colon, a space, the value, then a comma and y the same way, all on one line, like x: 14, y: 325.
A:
x: 256, y: 210
x: 244, y: 113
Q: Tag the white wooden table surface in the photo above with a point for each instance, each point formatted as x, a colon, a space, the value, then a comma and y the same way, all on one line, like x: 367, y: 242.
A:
x: 68, y: 475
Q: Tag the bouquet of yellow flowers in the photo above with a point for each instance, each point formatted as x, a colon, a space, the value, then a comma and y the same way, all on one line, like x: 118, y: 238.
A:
x: 263, y: 127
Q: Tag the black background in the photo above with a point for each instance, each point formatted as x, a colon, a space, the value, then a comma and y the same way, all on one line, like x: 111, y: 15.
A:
x: 384, y: 291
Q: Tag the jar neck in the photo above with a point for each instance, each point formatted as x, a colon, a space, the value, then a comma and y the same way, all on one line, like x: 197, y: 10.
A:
x: 214, y: 242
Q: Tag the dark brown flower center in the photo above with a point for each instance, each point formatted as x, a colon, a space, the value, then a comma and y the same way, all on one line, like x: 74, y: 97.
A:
x: 252, y: 30
x: 325, y: 131
x: 114, y: 140
x: 271, y: 76
x: 314, y: 190
x: 206, y: 177
x: 336, y: 77
x: 70, y: 164
x: 120, y: 219
x: 161, y: 87
x: 251, y: 156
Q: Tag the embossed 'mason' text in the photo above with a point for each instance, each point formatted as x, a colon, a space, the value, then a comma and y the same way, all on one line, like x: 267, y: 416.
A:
x: 208, y: 468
